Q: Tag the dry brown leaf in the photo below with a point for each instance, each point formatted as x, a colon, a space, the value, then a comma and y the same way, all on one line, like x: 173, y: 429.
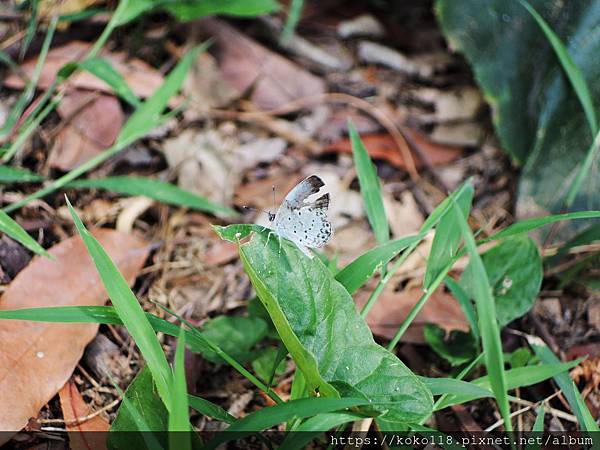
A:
x: 87, y: 435
x: 93, y: 123
x: 245, y: 64
x: 383, y: 146
x: 37, y: 358
x: 63, y: 7
x: 142, y: 78
x: 391, y: 309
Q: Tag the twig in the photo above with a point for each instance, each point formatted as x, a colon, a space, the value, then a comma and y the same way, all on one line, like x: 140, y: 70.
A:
x: 80, y: 420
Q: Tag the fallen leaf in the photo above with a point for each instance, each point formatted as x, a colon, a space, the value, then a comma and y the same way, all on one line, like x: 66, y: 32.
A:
x: 93, y: 123
x: 87, y: 435
x: 383, y: 146
x: 246, y: 64
x: 63, y: 7
x: 391, y: 309
x: 404, y: 215
x: 37, y: 358
x: 142, y: 78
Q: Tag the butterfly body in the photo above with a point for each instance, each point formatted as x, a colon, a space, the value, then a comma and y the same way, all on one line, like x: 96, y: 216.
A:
x: 302, y: 221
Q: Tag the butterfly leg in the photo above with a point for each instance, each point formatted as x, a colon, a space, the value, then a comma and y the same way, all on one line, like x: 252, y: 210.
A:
x: 269, y: 237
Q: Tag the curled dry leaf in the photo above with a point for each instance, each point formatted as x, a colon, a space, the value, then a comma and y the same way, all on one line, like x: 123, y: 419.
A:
x: 37, y: 358
x: 93, y: 122
x: 74, y: 409
x: 391, y: 309
x: 245, y: 64
x: 383, y: 146
x: 142, y: 78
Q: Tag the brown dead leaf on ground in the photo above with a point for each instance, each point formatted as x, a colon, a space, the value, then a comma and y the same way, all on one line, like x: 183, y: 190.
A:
x: 74, y: 409
x: 391, y: 309
x: 37, y: 358
x: 383, y: 146
x: 93, y: 123
x: 142, y: 78
x: 245, y: 64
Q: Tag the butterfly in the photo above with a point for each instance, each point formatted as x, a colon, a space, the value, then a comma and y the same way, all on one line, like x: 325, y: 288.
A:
x: 301, y: 220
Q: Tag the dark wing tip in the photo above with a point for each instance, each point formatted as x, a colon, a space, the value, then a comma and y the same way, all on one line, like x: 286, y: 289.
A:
x: 315, y: 182
x: 322, y: 201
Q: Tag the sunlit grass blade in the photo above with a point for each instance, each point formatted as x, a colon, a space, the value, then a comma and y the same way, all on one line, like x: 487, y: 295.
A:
x: 295, y: 409
x: 370, y: 187
x: 179, y: 422
x: 129, y: 310
x: 102, y: 69
x: 27, y: 93
x: 358, y: 272
x: 451, y: 386
x: 488, y: 325
x: 15, y: 231
x: 527, y: 225
x: 565, y: 383
x: 157, y: 190
x: 147, y: 116
x: 10, y: 174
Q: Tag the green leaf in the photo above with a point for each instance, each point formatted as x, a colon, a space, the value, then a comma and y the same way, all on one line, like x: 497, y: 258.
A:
x: 565, y: 383
x: 515, y: 272
x: 179, y: 424
x: 294, y: 409
x: 358, y: 272
x: 193, y: 9
x: 141, y: 418
x: 459, y: 348
x: 465, y: 304
x: 129, y: 310
x: 538, y: 114
x: 370, y: 187
x: 15, y: 231
x: 102, y: 69
x: 10, y: 175
x: 447, y: 237
x: 266, y: 361
x: 210, y: 409
x: 488, y: 326
x: 515, y: 378
x: 235, y: 335
x: 157, y: 190
x: 451, y: 386
x: 329, y: 341
x: 149, y: 114
x: 314, y: 426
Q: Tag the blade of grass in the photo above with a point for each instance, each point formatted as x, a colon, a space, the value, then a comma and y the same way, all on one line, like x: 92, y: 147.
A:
x: 370, y: 187
x: 581, y: 88
x: 463, y: 373
x: 465, y: 304
x: 129, y: 310
x: 142, y: 120
x: 30, y: 128
x: 15, y: 231
x: 315, y: 426
x: 488, y: 325
x: 566, y: 385
x: 103, y: 70
x: 10, y: 174
x: 157, y: 190
x: 538, y: 427
x: 179, y: 422
x: 27, y: 93
x: 293, y: 17
x: 33, y: 21
x: 573, y: 73
x: 210, y: 409
x: 294, y: 409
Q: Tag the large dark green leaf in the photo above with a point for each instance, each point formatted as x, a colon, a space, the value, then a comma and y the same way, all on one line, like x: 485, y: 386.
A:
x: 537, y: 114
x: 318, y: 322
x: 514, y: 269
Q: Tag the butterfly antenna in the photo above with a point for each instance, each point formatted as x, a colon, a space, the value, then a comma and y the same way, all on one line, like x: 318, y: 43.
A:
x: 274, y: 198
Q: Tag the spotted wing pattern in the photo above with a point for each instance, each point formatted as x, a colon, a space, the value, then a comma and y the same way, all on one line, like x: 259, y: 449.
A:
x: 302, y: 221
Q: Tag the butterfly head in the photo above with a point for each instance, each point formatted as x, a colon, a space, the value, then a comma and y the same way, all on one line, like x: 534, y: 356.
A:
x: 271, y: 216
